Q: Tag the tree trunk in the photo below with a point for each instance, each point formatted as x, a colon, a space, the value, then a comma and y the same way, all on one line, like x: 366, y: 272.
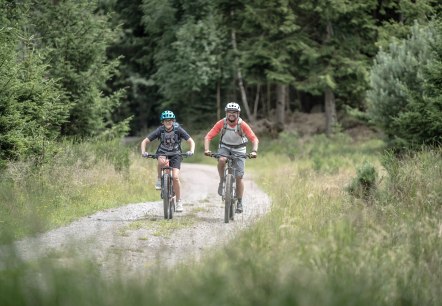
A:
x: 330, y: 111
x: 268, y: 102
x: 239, y: 76
x: 218, y: 99
x: 281, y: 92
x: 330, y: 104
x: 255, y: 106
x: 287, y: 99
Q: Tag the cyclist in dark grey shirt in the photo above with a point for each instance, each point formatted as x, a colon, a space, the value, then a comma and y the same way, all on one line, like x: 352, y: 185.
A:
x: 170, y: 135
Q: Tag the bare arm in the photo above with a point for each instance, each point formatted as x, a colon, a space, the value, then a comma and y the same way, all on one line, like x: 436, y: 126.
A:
x: 144, y: 144
x: 255, y: 144
x: 206, y: 144
x: 191, y: 144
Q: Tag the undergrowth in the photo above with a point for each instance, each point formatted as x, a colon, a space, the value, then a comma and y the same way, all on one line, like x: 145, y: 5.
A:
x: 319, y: 245
x: 79, y: 180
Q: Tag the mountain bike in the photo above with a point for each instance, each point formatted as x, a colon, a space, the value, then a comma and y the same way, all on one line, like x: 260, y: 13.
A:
x: 167, y: 192
x: 229, y: 184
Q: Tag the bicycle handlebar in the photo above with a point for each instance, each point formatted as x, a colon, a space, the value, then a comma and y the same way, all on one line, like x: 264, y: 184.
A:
x: 233, y: 155
x: 156, y: 155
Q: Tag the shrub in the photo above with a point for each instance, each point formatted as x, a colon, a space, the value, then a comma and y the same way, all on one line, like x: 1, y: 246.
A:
x: 364, y: 184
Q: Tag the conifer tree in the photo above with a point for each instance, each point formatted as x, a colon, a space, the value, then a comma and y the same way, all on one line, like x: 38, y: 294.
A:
x: 31, y: 108
x: 267, y: 34
x: 421, y: 120
x: 188, y: 53
x: 396, y: 18
x: 136, y: 48
x: 77, y: 39
x: 335, y: 57
x: 404, y: 99
x: 12, y: 142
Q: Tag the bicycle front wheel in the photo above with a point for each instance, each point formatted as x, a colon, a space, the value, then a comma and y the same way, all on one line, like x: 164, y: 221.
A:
x: 232, y: 209
x: 166, y: 195
x: 228, y: 197
x: 172, y: 199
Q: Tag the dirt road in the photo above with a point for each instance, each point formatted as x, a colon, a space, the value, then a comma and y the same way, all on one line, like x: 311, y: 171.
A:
x: 138, y: 237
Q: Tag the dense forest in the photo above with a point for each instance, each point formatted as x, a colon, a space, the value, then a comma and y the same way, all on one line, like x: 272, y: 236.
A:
x: 353, y: 220
x: 83, y: 69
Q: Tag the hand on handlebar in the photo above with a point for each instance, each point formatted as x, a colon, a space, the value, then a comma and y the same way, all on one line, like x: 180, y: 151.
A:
x: 253, y: 154
x: 208, y: 153
x: 145, y: 154
x: 189, y: 153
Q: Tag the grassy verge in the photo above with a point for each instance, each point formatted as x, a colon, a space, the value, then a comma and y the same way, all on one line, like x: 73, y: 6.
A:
x: 318, y: 245
x: 78, y: 181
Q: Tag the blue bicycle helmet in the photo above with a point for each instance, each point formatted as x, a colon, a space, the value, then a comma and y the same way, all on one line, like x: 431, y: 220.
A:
x: 167, y: 115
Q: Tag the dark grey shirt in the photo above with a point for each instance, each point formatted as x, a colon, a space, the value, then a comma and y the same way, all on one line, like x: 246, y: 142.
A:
x: 170, y: 141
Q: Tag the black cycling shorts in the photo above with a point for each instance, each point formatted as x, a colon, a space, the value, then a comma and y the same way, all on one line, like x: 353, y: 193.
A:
x: 174, y: 161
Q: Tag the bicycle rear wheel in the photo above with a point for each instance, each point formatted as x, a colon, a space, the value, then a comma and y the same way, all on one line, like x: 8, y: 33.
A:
x: 166, y: 195
x: 228, y: 197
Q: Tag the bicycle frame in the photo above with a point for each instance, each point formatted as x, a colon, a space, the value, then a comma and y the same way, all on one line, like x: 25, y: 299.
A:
x: 167, y: 190
x: 229, y: 184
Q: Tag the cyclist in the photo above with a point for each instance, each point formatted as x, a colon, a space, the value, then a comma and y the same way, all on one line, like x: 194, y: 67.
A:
x: 169, y: 134
x: 234, y: 136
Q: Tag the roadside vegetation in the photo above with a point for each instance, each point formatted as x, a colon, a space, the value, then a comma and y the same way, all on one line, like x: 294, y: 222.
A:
x: 321, y: 243
x: 352, y: 222
x: 79, y: 180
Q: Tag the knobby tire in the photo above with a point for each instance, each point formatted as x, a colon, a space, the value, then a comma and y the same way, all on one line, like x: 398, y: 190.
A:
x: 233, y: 201
x: 228, y: 198
x: 172, y: 199
x: 232, y: 210
x: 166, y: 196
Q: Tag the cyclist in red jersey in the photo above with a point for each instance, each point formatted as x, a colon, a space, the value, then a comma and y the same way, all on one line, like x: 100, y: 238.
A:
x: 235, y: 133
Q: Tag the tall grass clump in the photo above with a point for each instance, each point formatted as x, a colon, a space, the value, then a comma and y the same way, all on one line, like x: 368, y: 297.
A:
x: 78, y: 180
x: 364, y: 184
x: 324, y: 154
x: 409, y: 204
x: 415, y: 179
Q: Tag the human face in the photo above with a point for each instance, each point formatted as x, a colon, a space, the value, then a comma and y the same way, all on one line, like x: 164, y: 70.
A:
x: 232, y: 115
x: 168, y: 123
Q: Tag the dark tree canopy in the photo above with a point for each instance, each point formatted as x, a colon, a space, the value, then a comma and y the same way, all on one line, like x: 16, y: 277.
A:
x: 81, y: 69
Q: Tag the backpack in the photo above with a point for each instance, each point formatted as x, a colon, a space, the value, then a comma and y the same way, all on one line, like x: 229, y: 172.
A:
x: 238, y: 130
x: 177, y: 137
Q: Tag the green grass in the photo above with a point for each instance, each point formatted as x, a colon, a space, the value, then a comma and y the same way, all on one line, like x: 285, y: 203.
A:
x: 79, y: 181
x: 317, y: 246
x: 160, y: 227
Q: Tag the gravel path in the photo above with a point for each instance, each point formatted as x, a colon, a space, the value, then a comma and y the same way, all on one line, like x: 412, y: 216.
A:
x: 139, y: 238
